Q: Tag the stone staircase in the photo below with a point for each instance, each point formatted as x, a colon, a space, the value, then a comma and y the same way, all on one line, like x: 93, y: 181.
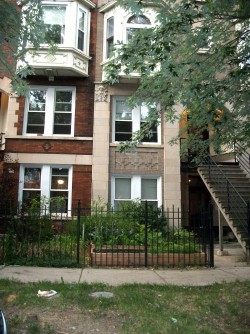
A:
x: 229, y: 187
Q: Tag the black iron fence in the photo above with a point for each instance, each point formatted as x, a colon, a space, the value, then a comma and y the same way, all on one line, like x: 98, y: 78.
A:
x: 136, y: 235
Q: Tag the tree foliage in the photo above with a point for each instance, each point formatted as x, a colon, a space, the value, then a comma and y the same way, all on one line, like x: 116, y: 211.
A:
x: 20, y: 25
x: 197, y: 56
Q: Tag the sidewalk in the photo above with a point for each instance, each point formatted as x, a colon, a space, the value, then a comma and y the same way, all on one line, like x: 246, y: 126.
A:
x: 227, y: 269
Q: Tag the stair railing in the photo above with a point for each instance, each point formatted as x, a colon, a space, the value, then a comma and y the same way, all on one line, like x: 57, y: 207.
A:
x: 233, y: 199
x: 242, y: 157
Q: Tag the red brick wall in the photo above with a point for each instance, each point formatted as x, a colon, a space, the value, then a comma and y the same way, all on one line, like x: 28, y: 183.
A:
x: 9, y: 182
x: 48, y: 146
x: 82, y: 181
x: 84, y: 103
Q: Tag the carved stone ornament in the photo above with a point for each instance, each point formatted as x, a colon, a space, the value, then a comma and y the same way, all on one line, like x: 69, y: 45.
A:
x: 101, y: 93
x: 47, y: 146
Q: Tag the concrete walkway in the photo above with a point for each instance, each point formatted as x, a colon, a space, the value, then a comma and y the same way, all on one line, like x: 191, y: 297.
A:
x: 227, y: 269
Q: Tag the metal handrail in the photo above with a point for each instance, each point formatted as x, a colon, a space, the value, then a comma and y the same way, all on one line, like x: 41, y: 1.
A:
x: 233, y: 197
x: 242, y: 157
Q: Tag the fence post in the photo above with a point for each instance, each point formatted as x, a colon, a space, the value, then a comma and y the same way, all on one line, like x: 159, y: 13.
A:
x: 78, y: 231
x: 146, y: 233
x: 248, y: 229
x: 211, y: 235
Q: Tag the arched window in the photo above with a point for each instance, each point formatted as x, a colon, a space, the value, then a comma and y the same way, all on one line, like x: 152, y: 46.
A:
x: 136, y: 22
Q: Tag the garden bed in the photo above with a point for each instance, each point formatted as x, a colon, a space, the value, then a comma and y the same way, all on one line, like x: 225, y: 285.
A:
x: 134, y: 256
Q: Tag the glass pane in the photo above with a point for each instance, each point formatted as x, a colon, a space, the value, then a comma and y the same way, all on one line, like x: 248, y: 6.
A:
x: 32, y: 178
x: 35, y: 129
x: 149, y: 189
x: 80, y: 43
x: 59, y: 178
x: 123, y: 130
x: 36, y: 118
x: 81, y: 20
x: 110, y: 27
x: 59, y: 201
x: 59, y: 182
x: 139, y: 19
x: 54, y: 33
x: 62, y: 119
x: 110, y: 44
x: 122, y: 188
x: 54, y: 19
x: 54, y: 14
x: 37, y: 100
x: 130, y: 33
x: 153, y: 138
x: 122, y: 111
x: 64, y: 96
x: 62, y: 130
x: 63, y: 107
x: 30, y: 194
x: 144, y: 112
x: 121, y: 126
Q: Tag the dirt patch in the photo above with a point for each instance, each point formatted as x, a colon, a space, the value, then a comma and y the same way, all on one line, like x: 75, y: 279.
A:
x: 68, y: 321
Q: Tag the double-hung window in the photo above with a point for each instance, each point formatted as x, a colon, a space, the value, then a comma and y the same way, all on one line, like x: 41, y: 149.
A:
x: 52, y: 182
x: 128, y: 188
x: 109, y: 36
x: 127, y: 120
x: 50, y: 111
x: 54, y: 17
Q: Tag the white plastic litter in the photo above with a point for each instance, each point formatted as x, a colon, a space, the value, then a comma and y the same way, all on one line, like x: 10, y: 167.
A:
x: 47, y: 294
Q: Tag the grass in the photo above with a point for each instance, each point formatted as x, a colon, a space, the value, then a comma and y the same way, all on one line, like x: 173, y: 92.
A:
x: 134, y: 308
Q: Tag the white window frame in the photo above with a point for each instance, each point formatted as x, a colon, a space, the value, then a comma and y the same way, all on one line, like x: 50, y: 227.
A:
x: 136, y: 181
x: 136, y: 121
x: 49, y: 110
x: 67, y: 18
x: 45, y: 186
x: 86, y: 30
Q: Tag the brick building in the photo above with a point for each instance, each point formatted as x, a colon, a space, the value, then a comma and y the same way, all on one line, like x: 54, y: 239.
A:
x: 63, y: 139
x: 48, y: 136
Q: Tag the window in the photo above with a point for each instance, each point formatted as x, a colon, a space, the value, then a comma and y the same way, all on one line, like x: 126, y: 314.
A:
x: 126, y: 121
x: 59, y: 187
x: 136, y: 22
x: 67, y: 23
x: 81, y: 30
x: 125, y: 189
x: 54, y: 19
x: 53, y: 182
x: 50, y: 111
x: 110, y: 36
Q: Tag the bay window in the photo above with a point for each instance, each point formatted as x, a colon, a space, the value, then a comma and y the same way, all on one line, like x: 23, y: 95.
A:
x: 67, y: 23
x: 50, y: 111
